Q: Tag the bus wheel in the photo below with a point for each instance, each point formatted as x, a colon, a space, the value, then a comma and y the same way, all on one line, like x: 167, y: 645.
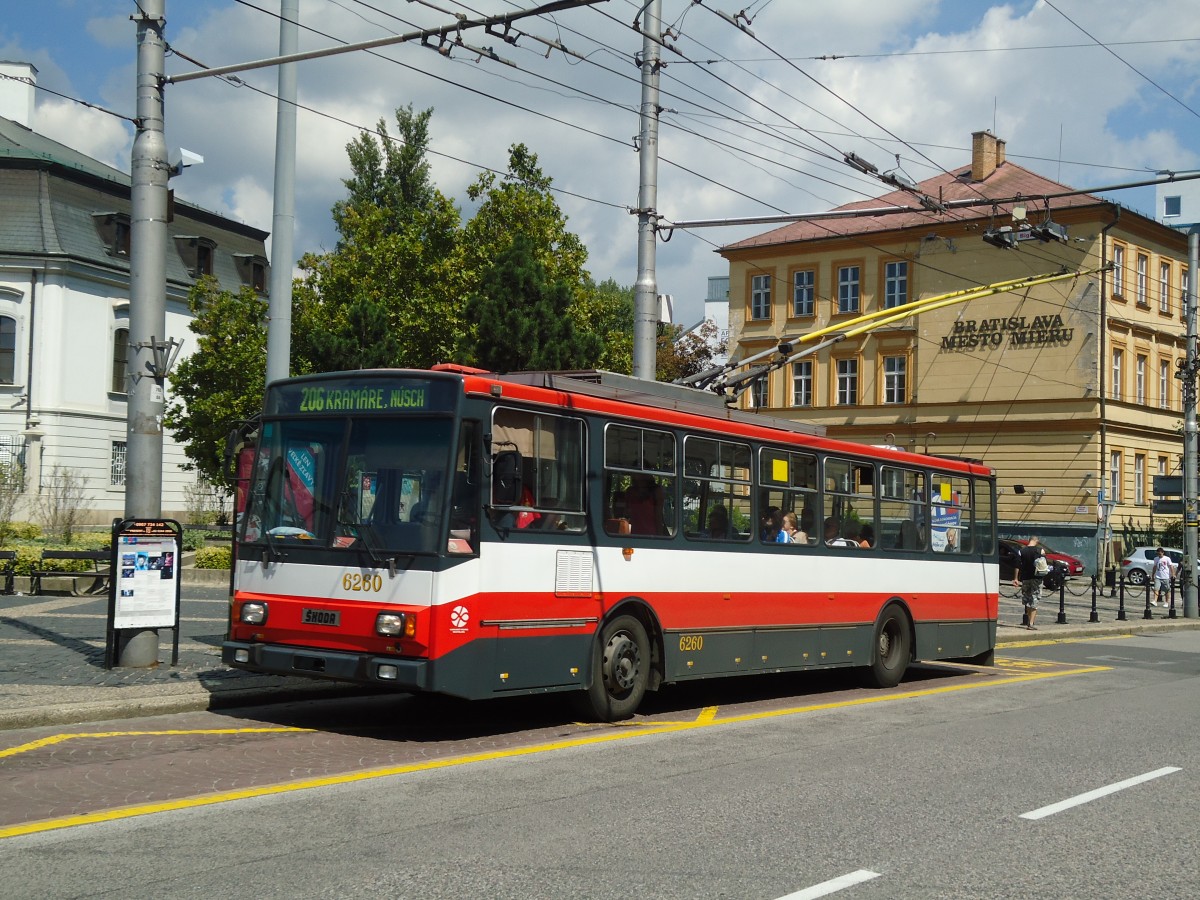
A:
x: 890, y: 651
x: 620, y: 670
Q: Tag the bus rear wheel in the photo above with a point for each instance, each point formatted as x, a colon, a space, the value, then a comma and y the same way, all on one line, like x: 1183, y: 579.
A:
x: 620, y: 670
x: 890, y: 648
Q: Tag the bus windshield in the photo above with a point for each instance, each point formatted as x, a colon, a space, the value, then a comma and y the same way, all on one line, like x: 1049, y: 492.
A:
x: 369, y: 484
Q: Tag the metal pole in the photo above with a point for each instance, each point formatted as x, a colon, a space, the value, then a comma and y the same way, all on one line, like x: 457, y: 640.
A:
x: 645, y: 310
x: 283, y: 223
x: 1191, y: 489
x: 147, y: 298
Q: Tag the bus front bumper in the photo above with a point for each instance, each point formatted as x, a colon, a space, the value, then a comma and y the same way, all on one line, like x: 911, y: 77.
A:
x: 310, y: 662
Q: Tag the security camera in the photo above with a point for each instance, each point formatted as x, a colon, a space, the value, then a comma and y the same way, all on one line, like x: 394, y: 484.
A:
x: 181, y: 159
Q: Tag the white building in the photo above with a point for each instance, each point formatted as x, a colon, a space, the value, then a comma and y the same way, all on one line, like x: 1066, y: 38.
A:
x: 64, y: 307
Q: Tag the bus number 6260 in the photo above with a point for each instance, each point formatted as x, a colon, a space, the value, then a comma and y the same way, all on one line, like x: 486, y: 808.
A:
x: 688, y: 642
x: 356, y: 581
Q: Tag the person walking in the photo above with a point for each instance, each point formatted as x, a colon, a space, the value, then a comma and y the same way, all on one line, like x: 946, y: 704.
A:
x: 1164, y: 574
x: 1029, y: 577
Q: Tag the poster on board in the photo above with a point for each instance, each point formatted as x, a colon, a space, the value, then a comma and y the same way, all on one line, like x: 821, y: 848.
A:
x: 146, y: 577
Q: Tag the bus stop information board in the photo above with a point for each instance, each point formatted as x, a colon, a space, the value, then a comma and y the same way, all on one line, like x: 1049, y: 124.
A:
x: 145, y: 581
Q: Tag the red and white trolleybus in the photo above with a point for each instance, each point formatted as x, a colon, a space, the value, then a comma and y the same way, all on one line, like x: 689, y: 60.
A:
x: 477, y: 535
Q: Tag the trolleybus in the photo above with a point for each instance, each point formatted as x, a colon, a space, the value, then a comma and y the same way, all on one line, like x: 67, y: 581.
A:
x: 479, y: 535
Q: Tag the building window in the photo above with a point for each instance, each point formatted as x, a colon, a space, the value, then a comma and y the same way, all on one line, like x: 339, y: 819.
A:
x: 802, y: 383
x: 895, y: 284
x: 1164, y: 288
x: 1162, y: 465
x: 760, y: 297
x: 1140, y: 371
x: 1172, y: 206
x: 804, y: 284
x: 758, y: 393
x: 1118, y: 270
x: 8, y: 350
x: 1118, y: 359
x: 848, y: 289
x: 117, y: 468
x: 197, y: 254
x: 120, y: 360
x: 1164, y: 383
x: 1140, y: 288
x: 1139, y: 478
x: 895, y: 379
x: 847, y: 382
x: 1114, y: 476
x: 1184, y: 292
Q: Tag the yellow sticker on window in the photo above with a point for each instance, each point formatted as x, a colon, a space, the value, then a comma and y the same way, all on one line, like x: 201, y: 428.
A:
x: 779, y: 470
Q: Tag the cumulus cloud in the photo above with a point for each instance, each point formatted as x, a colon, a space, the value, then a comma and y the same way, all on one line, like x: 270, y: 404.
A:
x: 744, y: 131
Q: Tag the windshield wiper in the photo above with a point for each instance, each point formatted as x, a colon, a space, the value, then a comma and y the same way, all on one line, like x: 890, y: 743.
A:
x: 365, y: 532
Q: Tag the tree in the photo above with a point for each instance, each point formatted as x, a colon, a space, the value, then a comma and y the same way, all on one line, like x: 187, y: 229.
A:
x: 380, y: 298
x: 522, y: 317
x: 223, y: 380
x: 606, y: 310
x: 520, y: 204
x: 680, y: 355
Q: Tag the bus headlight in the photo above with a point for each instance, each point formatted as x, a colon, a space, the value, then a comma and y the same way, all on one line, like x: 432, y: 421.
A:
x: 254, y: 613
x: 395, y: 625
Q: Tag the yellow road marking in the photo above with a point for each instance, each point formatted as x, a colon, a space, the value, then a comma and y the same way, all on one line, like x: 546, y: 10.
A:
x: 128, y: 812
x: 708, y: 714
x: 62, y: 738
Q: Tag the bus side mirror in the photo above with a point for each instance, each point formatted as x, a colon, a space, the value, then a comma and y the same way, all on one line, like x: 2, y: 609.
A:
x: 506, y: 478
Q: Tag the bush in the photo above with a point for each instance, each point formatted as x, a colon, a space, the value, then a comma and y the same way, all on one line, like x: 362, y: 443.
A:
x: 25, y: 531
x: 214, y: 558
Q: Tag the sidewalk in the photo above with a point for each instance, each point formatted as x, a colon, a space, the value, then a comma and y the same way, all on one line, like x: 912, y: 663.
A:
x: 52, y: 662
x: 52, y: 654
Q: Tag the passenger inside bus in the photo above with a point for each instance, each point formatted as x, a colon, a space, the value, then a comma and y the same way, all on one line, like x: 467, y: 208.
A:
x: 718, y: 522
x: 644, y: 505
x: 832, y: 537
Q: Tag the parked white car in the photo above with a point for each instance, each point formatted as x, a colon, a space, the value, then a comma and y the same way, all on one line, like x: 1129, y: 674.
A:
x: 1137, y: 566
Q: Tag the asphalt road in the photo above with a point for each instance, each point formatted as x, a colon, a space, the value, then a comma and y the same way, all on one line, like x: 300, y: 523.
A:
x: 763, y: 788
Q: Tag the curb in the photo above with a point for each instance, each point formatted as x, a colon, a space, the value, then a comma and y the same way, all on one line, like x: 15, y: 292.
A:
x: 1007, y: 635
x: 193, y: 700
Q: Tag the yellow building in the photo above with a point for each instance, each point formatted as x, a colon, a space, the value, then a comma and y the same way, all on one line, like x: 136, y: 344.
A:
x: 1066, y: 388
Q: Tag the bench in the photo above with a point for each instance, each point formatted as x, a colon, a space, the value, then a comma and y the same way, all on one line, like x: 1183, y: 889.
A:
x: 8, y: 569
x: 46, y: 567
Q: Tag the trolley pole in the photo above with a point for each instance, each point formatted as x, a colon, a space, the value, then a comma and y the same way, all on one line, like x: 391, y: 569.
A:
x: 147, y: 299
x: 645, y: 309
x: 1191, y: 478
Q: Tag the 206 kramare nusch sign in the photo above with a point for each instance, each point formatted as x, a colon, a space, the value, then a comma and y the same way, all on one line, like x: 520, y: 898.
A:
x: 1011, y: 332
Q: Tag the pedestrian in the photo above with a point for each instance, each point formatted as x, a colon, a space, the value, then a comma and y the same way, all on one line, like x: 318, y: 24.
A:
x: 1164, y: 573
x: 1028, y: 576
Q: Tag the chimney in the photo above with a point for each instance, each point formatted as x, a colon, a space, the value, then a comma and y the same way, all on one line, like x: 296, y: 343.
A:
x: 987, y: 154
x: 16, y: 91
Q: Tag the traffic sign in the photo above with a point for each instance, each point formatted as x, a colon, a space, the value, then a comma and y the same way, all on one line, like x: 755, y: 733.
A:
x: 1168, y: 485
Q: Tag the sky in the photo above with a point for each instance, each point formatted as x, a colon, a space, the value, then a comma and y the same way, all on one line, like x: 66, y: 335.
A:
x: 755, y: 120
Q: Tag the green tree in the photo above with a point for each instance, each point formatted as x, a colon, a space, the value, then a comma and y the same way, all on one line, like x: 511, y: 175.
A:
x: 521, y: 204
x: 222, y: 380
x: 385, y: 295
x: 606, y: 310
x: 680, y: 355
x: 522, y: 317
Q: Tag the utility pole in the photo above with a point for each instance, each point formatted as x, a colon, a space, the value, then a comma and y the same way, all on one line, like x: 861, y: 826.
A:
x: 283, y: 225
x: 645, y: 309
x: 1191, y: 478
x: 145, y: 361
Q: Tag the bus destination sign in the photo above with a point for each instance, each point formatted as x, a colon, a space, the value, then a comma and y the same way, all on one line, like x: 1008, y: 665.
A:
x: 339, y: 396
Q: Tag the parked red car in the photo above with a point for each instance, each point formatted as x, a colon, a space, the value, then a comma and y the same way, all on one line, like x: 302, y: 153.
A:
x: 1073, y: 565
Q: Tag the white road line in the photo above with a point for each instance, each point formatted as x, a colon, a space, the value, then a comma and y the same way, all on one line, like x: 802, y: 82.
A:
x: 1099, y: 792
x: 833, y: 885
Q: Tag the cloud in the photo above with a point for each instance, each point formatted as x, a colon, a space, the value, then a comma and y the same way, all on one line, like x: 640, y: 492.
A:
x: 743, y: 132
x: 96, y: 134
